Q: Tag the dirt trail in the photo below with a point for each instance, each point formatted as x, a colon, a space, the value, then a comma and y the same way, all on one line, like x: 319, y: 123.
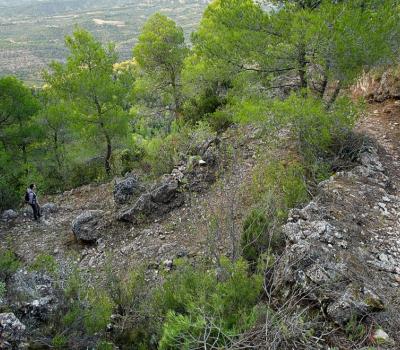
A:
x: 382, y: 123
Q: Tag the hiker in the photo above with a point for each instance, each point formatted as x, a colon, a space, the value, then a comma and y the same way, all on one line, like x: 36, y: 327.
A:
x: 31, y: 198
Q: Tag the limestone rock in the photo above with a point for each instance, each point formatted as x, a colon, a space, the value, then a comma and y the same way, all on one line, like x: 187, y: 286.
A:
x: 354, y: 302
x: 127, y: 189
x: 12, y: 332
x: 49, y: 208
x: 32, y: 294
x: 162, y: 199
x: 9, y: 215
x: 381, y: 337
x: 86, y: 227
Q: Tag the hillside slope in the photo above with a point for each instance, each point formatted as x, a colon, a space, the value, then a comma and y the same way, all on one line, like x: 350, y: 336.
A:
x: 343, y: 248
x: 184, y: 231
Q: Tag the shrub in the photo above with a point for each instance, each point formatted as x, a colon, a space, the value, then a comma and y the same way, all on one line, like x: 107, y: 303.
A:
x: 202, y: 309
x: 9, y: 263
x: 161, y: 154
x: 98, y: 312
x: 125, y: 160
x: 282, y: 182
x: 59, y: 341
x: 258, y: 236
x: 2, y: 289
x: 314, y: 128
x: 9, y: 195
x: 220, y: 120
x: 104, y: 345
x: 83, y: 173
x: 45, y: 263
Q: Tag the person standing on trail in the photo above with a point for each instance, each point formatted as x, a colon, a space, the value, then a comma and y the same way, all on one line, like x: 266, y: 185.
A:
x: 31, y: 198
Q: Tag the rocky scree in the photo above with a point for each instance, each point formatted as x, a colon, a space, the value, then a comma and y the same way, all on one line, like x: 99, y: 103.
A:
x: 12, y: 332
x: 333, y: 257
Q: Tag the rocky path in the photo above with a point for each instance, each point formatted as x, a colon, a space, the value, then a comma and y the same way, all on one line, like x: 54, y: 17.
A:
x: 344, y: 247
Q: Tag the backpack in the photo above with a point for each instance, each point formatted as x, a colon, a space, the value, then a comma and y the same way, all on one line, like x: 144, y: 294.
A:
x: 27, y: 197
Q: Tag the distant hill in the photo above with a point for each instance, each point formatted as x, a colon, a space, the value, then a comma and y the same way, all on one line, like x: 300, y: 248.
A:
x: 32, y: 31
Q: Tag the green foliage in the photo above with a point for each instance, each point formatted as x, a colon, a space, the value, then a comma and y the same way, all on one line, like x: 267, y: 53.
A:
x: 220, y: 120
x: 314, y: 128
x: 18, y: 134
x: 203, y: 310
x: 88, y: 81
x: 9, y: 263
x: 72, y: 315
x: 125, y: 160
x: 161, y: 154
x: 59, y: 341
x: 104, y: 345
x: 282, y: 182
x: 355, y: 329
x: 259, y: 235
x: 98, y: 312
x: 160, y: 52
x: 73, y: 285
x: 45, y: 263
x: 2, y: 289
x: 86, y: 172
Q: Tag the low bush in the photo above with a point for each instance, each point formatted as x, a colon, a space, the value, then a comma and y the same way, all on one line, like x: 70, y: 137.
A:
x: 83, y: 173
x: 315, y: 129
x: 9, y: 263
x: 45, y: 263
x: 9, y: 194
x: 259, y: 235
x: 2, y: 289
x: 98, y: 311
x: 220, y: 120
x: 203, y: 310
x: 280, y: 185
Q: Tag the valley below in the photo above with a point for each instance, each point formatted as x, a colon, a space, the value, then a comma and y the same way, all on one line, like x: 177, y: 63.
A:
x: 32, y: 32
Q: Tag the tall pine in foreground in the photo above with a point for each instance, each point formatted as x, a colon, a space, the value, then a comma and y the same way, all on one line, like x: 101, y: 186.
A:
x: 88, y: 81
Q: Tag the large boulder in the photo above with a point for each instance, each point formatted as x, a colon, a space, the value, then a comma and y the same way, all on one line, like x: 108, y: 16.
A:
x: 127, y: 189
x: 162, y: 199
x: 9, y: 215
x: 49, y: 208
x: 12, y: 332
x: 142, y: 209
x: 86, y: 227
x: 165, y: 192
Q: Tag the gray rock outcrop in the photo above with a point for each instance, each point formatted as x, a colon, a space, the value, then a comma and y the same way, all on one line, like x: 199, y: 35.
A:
x: 161, y: 200
x: 194, y: 174
x: 86, y: 227
x: 12, y: 332
x: 32, y: 295
x: 330, y: 258
x: 9, y: 215
x: 49, y: 208
x: 127, y: 189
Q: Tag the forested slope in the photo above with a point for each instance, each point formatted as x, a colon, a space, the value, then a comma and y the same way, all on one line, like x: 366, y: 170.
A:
x: 236, y: 191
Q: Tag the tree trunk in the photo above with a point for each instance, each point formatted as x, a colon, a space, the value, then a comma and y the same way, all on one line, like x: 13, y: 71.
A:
x: 175, y: 93
x: 324, y: 84
x: 107, y: 161
x: 58, y: 159
x: 334, y: 95
x: 302, y: 71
